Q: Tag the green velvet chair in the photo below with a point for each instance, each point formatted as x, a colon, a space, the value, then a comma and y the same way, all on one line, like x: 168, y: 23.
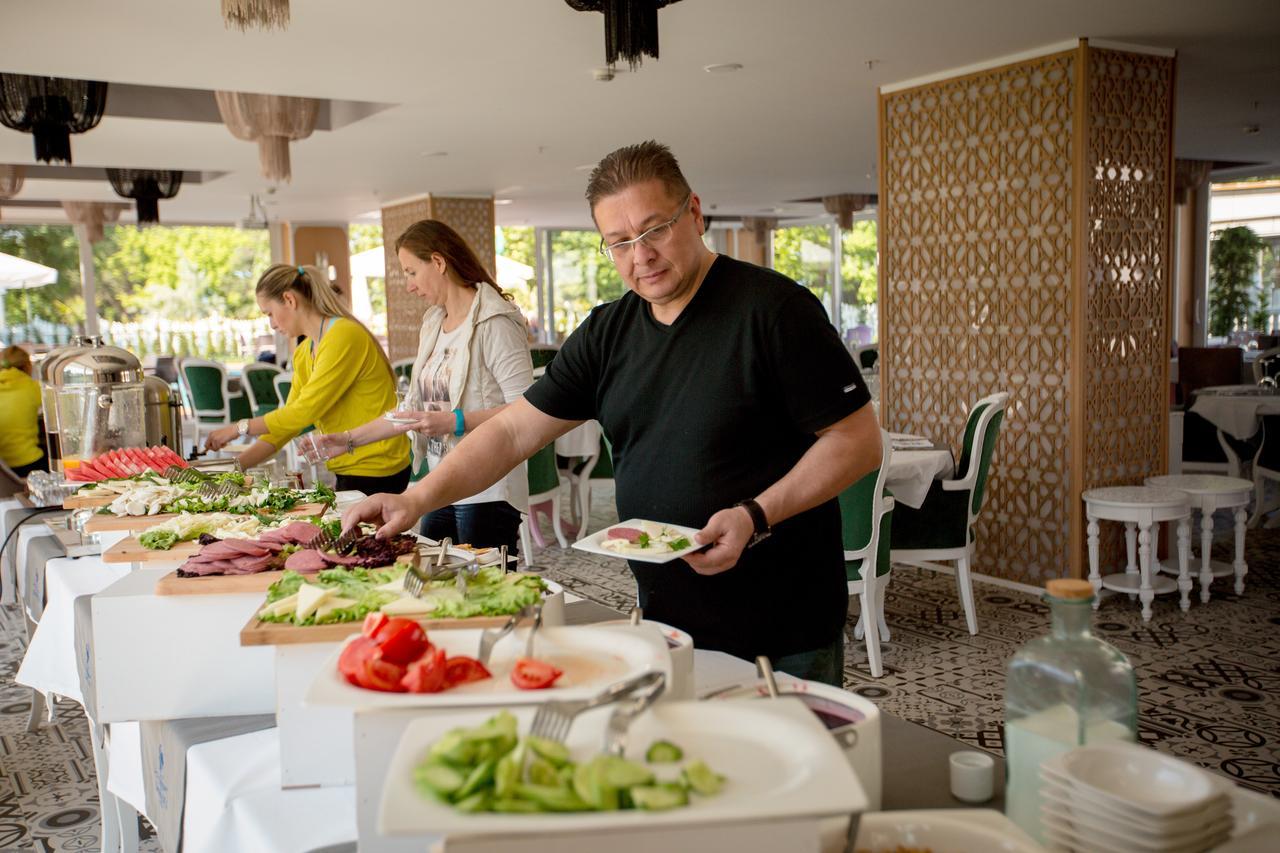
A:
x: 204, y: 387
x: 544, y: 487
x: 258, y: 381
x: 942, y: 529
x: 866, y: 511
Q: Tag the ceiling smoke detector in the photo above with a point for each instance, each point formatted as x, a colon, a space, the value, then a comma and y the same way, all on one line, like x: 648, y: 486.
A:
x: 603, y: 74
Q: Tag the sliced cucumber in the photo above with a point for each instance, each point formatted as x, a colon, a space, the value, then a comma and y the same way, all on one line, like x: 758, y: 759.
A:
x: 440, y: 779
x: 659, y: 797
x: 553, y: 751
x: 663, y: 752
x: 703, y: 779
x: 552, y: 798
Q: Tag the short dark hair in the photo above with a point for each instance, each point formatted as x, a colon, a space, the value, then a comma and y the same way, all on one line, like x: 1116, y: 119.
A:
x: 634, y: 164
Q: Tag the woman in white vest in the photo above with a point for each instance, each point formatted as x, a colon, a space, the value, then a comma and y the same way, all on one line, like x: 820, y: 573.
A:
x: 473, y: 359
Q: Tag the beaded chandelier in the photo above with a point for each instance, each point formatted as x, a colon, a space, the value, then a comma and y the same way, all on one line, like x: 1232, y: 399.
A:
x: 146, y: 187
x: 630, y: 27
x: 51, y: 109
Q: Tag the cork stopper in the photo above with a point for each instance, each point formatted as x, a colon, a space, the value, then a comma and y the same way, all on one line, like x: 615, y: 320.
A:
x: 1071, y: 589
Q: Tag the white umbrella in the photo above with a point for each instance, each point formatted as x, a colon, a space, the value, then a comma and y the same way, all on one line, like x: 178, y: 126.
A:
x: 20, y: 274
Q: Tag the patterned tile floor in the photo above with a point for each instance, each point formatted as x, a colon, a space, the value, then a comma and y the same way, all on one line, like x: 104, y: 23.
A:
x: 1208, y: 680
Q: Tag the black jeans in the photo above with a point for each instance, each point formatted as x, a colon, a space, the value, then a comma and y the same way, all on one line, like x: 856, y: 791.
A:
x: 392, y: 483
x: 484, y: 525
x: 825, y: 664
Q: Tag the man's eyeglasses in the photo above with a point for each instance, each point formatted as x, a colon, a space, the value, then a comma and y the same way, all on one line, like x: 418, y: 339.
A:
x: 656, y: 236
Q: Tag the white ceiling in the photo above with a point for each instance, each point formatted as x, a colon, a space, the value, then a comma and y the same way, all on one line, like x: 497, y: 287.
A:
x: 504, y: 87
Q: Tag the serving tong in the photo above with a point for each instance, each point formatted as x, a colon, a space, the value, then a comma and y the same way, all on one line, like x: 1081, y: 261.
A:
x: 444, y: 567
x: 489, y: 637
x: 554, y: 719
x: 325, y: 541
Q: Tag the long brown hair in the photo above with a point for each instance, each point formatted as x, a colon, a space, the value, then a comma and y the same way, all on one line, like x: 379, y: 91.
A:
x: 310, y: 286
x: 428, y: 237
x: 16, y: 356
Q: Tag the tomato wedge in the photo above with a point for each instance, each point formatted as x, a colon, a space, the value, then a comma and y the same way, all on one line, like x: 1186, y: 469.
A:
x: 463, y: 669
x: 352, y: 661
x: 531, y: 674
x: 427, y: 673
x: 401, y: 640
x: 381, y: 675
x: 372, y: 623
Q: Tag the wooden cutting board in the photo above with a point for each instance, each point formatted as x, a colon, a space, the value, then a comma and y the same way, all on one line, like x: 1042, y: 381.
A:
x: 84, y: 502
x: 99, y: 523
x: 259, y: 633
x: 128, y: 550
x: 171, y: 584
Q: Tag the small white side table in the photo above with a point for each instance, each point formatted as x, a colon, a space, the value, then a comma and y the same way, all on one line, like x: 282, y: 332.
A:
x: 1140, y: 508
x: 1209, y: 493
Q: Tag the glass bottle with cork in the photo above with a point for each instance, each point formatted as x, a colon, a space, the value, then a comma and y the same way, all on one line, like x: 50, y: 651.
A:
x: 1063, y: 690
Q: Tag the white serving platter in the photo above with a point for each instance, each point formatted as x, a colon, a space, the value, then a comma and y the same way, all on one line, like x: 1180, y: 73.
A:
x: 592, y: 657
x: 983, y: 830
x: 778, y: 760
x: 593, y: 544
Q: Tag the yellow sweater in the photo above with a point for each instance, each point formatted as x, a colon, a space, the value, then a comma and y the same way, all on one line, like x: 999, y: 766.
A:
x: 343, y: 384
x: 19, y: 408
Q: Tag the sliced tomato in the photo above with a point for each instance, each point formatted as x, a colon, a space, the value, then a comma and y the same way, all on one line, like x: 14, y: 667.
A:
x: 427, y: 674
x: 531, y: 674
x: 462, y: 669
x: 352, y: 661
x: 401, y: 640
x: 381, y: 675
x: 372, y: 623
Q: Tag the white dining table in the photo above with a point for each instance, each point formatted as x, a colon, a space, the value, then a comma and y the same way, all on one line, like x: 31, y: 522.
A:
x: 1236, y: 410
x: 915, y: 464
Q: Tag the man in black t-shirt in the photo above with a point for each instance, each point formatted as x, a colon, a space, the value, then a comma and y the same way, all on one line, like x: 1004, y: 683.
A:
x: 731, y: 405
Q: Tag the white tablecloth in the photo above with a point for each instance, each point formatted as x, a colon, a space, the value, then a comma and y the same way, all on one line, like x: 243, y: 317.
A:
x: 50, y: 662
x: 1236, y: 409
x: 582, y: 440
x: 911, y: 472
x: 29, y: 531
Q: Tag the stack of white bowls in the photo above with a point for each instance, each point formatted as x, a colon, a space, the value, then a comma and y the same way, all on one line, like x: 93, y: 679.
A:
x: 1119, y: 797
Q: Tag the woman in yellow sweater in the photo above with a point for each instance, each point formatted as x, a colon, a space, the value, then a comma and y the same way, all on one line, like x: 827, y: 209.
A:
x: 19, y: 413
x: 341, y: 379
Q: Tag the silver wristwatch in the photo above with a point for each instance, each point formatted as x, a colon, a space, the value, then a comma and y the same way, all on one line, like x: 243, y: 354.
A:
x: 242, y: 427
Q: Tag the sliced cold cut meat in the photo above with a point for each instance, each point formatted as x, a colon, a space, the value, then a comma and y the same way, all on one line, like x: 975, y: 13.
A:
x: 306, y: 561
x: 630, y: 534
x: 340, y: 560
x: 299, y: 532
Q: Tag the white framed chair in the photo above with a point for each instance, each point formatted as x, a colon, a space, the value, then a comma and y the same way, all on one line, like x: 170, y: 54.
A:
x: 866, y: 514
x: 942, y: 528
x: 258, y: 381
x: 208, y: 396
x: 544, y: 487
x: 1266, y: 367
x: 1266, y: 466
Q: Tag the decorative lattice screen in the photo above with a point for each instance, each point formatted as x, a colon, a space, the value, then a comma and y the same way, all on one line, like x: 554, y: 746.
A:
x: 980, y: 290
x: 470, y: 217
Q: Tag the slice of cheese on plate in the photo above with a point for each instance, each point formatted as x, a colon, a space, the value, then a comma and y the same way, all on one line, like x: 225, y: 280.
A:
x: 331, y: 604
x: 310, y: 597
x: 408, y: 606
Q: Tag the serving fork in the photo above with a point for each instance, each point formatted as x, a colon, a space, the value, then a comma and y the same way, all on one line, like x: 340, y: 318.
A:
x: 179, y: 474
x: 324, y: 540
x: 553, y: 719
x: 489, y: 637
x: 416, y: 577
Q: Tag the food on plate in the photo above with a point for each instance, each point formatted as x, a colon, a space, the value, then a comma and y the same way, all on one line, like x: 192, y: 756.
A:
x: 120, y: 485
x: 126, y: 462
x: 533, y: 674
x: 153, y: 495
x: 490, y: 592
x: 489, y: 768
x: 649, y: 538
x: 394, y: 655
x: 271, y: 551
x: 219, y: 525
x: 662, y: 752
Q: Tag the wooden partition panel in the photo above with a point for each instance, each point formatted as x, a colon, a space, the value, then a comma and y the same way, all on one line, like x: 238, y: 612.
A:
x: 470, y: 217
x: 990, y: 227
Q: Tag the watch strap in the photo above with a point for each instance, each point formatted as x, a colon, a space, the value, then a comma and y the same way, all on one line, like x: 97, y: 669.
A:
x: 758, y: 520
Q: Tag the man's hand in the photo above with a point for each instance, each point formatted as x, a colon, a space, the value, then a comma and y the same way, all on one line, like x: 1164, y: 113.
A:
x: 220, y: 438
x: 728, y: 531
x: 392, y: 513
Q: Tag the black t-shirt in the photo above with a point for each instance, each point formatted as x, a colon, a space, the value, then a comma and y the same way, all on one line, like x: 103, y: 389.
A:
x: 704, y: 413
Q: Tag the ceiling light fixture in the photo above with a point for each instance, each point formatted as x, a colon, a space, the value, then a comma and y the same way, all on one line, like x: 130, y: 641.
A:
x: 723, y: 68
x: 630, y: 27
x: 146, y: 187
x: 51, y: 109
x: 435, y: 153
x: 504, y: 201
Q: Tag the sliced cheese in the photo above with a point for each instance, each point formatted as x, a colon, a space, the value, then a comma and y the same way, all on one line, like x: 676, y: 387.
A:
x: 310, y: 597
x: 331, y: 604
x: 409, y: 606
x: 393, y: 585
x: 283, y: 607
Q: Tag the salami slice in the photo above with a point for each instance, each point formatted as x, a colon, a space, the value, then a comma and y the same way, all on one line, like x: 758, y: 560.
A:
x: 630, y: 534
x: 306, y: 562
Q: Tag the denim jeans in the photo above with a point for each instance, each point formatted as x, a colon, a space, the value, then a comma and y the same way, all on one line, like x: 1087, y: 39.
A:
x: 392, y: 483
x: 825, y: 664
x: 484, y: 525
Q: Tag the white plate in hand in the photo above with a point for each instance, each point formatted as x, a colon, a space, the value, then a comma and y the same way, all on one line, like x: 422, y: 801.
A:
x: 592, y: 657
x: 397, y: 418
x: 593, y: 544
x: 778, y: 761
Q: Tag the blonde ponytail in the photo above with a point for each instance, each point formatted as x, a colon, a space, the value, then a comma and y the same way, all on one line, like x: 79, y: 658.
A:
x: 310, y: 286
